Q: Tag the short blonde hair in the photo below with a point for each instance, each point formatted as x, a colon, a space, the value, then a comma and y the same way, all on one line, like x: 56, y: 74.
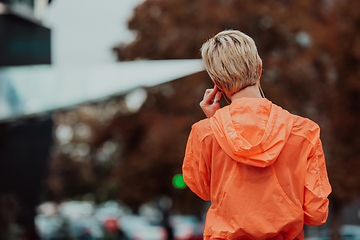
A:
x: 232, y: 60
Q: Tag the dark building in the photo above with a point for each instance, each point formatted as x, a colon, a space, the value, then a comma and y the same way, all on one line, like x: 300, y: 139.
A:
x: 23, y: 39
x: 24, y: 143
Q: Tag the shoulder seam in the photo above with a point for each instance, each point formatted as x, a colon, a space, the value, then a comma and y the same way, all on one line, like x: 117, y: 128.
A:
x: 203, y: 135
x: 299, y: 135
x: 302, y: 135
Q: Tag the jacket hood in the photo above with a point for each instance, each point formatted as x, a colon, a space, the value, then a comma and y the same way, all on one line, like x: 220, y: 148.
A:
x: 252, y: 131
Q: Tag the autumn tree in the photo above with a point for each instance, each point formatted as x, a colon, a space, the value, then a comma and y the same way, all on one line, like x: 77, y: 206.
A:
x: 311, y: 57
x: 146, y: 148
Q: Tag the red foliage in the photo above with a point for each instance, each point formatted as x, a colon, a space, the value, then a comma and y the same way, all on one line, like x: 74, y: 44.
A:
x: 310, y: 50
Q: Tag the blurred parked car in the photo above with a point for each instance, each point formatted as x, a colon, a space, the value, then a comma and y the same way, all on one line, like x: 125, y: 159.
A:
x: 82, y: 223
x: 74, y: 219
x: 77, y: 209
x: 86, y: 227
x: 347, y: 232
x: 186, y: 227
x: 110, y: 210
x: 82, y: 220
x: 49, y: 227
x: 140, y: 228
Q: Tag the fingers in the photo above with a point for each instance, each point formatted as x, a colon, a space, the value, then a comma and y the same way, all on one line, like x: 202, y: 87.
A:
x: 207, y: 100
x: 207, y: 92
x: 217, y: 96
x: 210, y: 103
x: 212, y: 95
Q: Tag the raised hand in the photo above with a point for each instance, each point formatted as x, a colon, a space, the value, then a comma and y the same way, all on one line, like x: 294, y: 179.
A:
x: 210, y: 103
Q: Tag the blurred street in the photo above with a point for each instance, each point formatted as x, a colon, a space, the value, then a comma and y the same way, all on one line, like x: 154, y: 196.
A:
x: 110, y: 220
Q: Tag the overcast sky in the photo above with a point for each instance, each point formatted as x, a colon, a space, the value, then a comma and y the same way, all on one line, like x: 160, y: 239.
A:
x: 84, y: 31
x: 83, y: 66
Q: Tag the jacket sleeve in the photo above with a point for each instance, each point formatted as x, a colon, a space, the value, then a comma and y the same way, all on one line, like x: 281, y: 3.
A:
x: 317, y: 187
x: 196, y: 171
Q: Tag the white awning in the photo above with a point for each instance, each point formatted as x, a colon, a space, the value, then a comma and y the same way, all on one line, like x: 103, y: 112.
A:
x: 35, y: 89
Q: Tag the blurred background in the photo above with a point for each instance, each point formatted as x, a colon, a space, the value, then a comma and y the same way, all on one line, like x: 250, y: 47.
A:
x: 97, y: 98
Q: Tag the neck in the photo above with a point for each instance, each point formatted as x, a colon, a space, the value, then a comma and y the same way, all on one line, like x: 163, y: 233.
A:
x: 250, y: 92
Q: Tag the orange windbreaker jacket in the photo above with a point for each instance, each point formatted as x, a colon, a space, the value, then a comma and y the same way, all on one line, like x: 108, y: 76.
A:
x: 262, y: 168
